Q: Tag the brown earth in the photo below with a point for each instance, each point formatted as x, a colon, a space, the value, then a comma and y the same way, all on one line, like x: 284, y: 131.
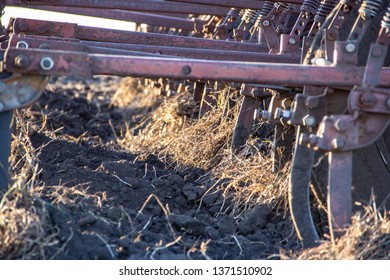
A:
x: 106, y: 168
x: 102, y: 201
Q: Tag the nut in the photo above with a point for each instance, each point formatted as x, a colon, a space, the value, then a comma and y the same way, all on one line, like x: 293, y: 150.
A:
x: 304, y: 139
x: 22, y: 61
x: 278, y: 113
x: 338, y: 143
x: 367, y: 99
x: 44, y: 46
x: 340, y: 125
x: 186, y: 70
x: 47, y: 63
x: 22, y: 45
x: 312, y: 102
x: 266, y: 23
x: 265, y: 115
x: 309, y: 120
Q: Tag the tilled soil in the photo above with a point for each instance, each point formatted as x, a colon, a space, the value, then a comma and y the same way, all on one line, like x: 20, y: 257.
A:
x: 110, y: 203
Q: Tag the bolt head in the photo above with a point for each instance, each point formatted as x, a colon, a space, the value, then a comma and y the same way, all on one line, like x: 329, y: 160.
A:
x: 266, y: 23
x: 350, y: 48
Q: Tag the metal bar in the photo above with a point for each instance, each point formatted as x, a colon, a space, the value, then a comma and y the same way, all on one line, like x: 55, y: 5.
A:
x: 80, y: 46
x: 66, y: 63
x: 5, y: 146
x: 134, y: 5
x: 244, y: 122
x: 245, y: 4
x: 147, y: 18
x: 339, y: 192
x: 299, y: 196
x: 69, y: 30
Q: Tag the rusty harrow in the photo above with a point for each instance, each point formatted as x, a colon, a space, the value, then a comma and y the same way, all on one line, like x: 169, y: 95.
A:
x: 321, y: 68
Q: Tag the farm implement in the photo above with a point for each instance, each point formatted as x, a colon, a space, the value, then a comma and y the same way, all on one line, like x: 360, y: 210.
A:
x: 317, y: 71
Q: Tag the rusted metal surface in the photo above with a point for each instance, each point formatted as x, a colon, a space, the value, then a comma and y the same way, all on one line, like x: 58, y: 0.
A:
x: 68, y: 30
x: 337, y: 99
x: 263, y: 73
x: 133, y: 5
x: 132, y: 49
x: 137, y: 17
x: 339, y: 192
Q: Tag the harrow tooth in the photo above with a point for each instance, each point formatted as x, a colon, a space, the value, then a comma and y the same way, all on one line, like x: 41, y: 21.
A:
x: 5, y: 146
x: 319, y: 66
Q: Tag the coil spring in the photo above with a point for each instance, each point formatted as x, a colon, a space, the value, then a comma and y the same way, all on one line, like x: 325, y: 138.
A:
x: 281, y: 6
x: 325, y: 9
x: 310, y: 6
x: 354, y: 4
x: 386, y: 20
x: 250, y: 15
x: 267, y: 8
x: 370, y: 8
x: 234, y: 13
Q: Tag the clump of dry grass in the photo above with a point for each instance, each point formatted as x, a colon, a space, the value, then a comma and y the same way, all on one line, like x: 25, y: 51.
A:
x: 205, y: 143
x: 368, y: 238
x: 25, y: 228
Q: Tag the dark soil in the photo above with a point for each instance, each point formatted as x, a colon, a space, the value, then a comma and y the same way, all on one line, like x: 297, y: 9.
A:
x: 107, y: 203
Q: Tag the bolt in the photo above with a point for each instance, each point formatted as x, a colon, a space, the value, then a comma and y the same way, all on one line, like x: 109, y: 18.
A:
x: 350, y: 48
x: 312, y: 102
x: 22, y: 61
x: 377, y: 52
x: 44, y: 46
x: 22, y: 45
x: 47, y: 63
x: 368, y: 99
x: 313, y: 139
x: 292, y: 41
x: 309, y: 120
x: 278, y: 113
x: 186, y: 70
x: 388, y: 102
x: 286, y: 114
x: 338, y: 143
x: 265, y: 115
x: 23, y: 27
x: 340, y: 125
x: 266, y: 23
